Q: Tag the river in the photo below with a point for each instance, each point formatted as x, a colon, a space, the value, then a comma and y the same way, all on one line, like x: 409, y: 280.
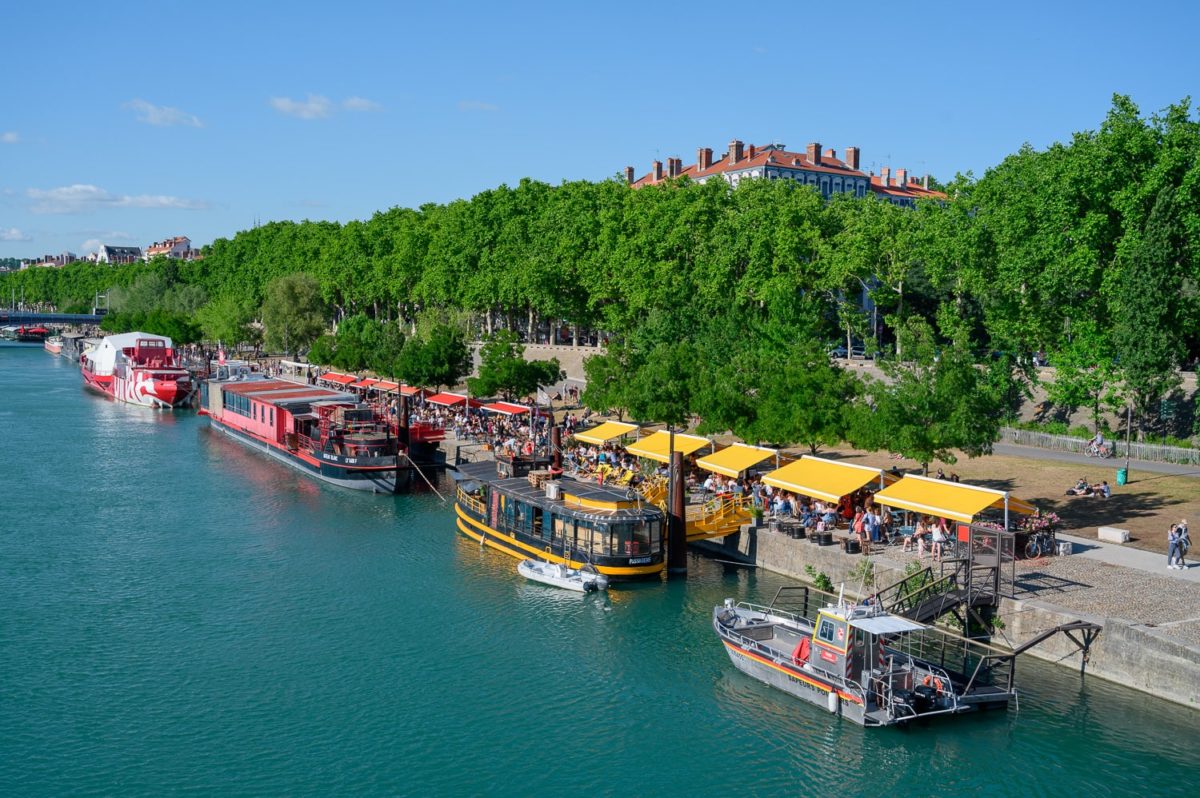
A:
x: 178, y: 613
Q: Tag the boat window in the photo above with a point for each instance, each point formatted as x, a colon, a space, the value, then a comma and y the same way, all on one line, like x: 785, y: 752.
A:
x: 562, y: 529
x: 632, y: 538
x: 827, y: 631
x: 593, y: 538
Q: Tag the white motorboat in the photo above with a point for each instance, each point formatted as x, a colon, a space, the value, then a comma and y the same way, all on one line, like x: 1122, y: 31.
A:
x: 559, y: 575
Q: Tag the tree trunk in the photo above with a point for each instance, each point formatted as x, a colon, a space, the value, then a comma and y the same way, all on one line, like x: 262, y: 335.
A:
x: 529, y: 328
x: 899, y: 318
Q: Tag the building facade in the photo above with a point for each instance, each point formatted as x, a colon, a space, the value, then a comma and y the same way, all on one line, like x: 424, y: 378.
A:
x: 820, y: 168
x: 179, y: 248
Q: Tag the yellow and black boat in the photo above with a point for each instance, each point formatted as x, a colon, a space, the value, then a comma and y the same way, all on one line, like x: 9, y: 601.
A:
x: 558, y: 519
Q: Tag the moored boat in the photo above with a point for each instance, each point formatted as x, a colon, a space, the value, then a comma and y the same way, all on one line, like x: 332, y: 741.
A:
x: 556, y: 519
x: 327, y: 434
x: 559, y: 575
x: 863, y: 663
x: 54, y: 344
x: 138, y: 368
x: 31, y: 335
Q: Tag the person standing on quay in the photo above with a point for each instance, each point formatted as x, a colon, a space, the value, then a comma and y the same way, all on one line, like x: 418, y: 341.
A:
x: 1185, y: 543
x: 1173, y: 546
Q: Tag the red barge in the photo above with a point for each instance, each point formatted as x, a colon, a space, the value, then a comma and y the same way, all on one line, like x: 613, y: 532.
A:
x: 327, y: 434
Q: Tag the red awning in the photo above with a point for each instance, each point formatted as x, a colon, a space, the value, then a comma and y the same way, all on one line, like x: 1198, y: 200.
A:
x: 451, y: 400
x: 366, y: 382
x: 384, y: 385
x: 506, y: 408
x: 340, y: 379
x: 412, y: 390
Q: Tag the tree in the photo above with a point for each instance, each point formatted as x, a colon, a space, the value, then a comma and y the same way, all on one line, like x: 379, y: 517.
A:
x: 504, y: 370
x: 803, y: 398
x: 1147, y: 311
x: 441, y: 359
x: 228, y: 319
x: 933, y: 402
x: 292, y: 313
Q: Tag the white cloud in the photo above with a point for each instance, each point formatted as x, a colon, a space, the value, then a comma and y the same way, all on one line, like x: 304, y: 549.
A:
x: 91, y: 245
x: 476, y: 105
x: 360, y: 104
x: 161, y: 115
x: 315, y: 107
x: 13, y: 234
x: 83, y: 198
x: 10, y: 137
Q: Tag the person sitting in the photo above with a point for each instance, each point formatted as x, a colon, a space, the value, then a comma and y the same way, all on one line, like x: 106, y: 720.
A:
x: 914, y: 537
x: 941, y: 474
x: 1082, y: 488
x: 1102, y: 490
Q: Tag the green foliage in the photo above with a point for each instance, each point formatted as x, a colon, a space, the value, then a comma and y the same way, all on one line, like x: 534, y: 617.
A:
x: 504, y: 370
x: 228, y: 319
x: 819, y: 579
x: 933, y: 404
x: 442, y: 359
x: 293, y: 313
x: 863, y: 573
x: 179, y: 327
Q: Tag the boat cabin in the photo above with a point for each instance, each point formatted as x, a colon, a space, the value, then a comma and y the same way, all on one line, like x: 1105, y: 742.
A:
x: 296, y: 416
x: 564, y: 520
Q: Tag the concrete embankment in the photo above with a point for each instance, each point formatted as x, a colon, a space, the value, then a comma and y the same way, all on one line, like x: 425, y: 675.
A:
x: 1138, y: 655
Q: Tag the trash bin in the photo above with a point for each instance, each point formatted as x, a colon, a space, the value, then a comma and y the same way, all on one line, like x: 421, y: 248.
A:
x: 1122, y: 476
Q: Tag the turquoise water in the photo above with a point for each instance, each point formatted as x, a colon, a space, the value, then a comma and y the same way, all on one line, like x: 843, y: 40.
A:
x: 180, y: 614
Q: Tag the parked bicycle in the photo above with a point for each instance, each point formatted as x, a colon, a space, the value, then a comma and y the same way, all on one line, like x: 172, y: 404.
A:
x: 1041, y: 543
x: 1103, y: 451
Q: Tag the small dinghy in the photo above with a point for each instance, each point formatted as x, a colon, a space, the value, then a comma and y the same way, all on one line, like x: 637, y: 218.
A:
x: 558, y: 575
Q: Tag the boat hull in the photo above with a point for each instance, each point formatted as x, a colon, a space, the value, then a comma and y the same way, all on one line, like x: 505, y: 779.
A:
x: 141, y: 390
x: 375, y: 481
x: 54, y: 348
x: 508, y: 544
x: 796, y: 681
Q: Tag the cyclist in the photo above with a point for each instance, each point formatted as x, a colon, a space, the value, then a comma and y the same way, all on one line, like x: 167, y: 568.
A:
x: 1098, y: 443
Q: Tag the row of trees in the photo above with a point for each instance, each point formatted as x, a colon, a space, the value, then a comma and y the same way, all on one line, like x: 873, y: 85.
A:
x: 1086, y: 250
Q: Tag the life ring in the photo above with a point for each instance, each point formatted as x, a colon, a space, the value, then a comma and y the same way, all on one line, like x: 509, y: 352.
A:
x: 801, y: 652
x: 930, y: 679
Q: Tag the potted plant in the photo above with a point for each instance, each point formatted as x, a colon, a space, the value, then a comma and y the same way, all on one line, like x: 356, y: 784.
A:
x: 756, y: 517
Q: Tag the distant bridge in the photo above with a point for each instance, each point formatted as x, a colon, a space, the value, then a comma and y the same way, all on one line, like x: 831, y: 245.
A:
x: 15, y: 318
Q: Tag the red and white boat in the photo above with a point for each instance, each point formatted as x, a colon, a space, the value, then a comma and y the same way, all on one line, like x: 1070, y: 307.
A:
x: 138, y: 368
x: 54, y: 344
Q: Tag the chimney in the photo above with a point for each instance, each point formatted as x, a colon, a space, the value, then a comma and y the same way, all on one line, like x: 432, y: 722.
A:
x: 902, y: 178
x: 656, y: 171
x: 751, y: 151
x: 852, y: 157
x: 735, y: 151
x: 831, y: 154
x: 704, y: 158
x: 925, y: 182
x: 814, y: 153
x: 884, y: 175
x: 629, y: 174
x: 674, y: 167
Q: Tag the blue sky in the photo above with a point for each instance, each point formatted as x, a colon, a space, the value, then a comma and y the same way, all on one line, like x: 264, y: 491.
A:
x: 130, y: 122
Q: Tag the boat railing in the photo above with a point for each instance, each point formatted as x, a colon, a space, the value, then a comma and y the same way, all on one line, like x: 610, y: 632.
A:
x: 470, y: 502
x: 772, y: 612
x: 305, y: 442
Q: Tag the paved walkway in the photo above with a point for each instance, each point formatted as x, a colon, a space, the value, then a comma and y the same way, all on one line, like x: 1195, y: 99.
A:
x: 1116, y: 554
x: 1034, y: 453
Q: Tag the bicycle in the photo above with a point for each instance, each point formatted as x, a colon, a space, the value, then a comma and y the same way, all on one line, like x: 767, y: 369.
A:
x: 1104, y: 451
x: 1042, y: 543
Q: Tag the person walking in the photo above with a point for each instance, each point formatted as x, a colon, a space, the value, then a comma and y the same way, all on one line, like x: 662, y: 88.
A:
x: 1173, y: 546
x: 1185, y: 543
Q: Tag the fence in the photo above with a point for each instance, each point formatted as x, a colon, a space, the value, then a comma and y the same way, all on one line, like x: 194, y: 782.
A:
x: 1150, y: 452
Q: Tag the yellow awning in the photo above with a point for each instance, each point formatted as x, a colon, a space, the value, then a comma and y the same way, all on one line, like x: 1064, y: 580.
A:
x: 945, y: 499
x: 605, y: 432
x: 824, y: 479
x: 735, y: 459
x: 656, y: 446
